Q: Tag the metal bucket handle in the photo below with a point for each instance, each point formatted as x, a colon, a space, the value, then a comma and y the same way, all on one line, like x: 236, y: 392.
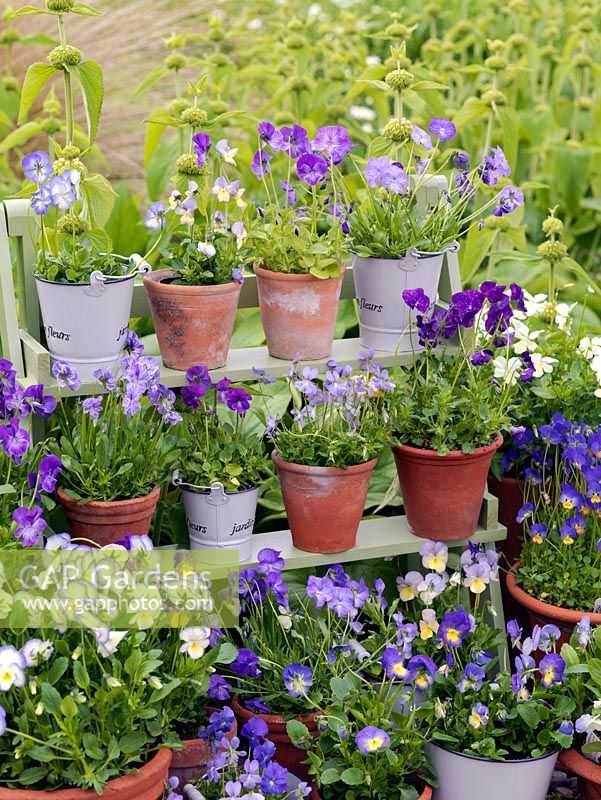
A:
x: 99, y: 281
x: 217, y: 495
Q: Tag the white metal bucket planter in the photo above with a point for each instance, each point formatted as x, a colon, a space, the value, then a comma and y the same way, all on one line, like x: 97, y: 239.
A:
x: 461, y: 776
x: 86, y: 324
x: 219, y: 520
x: 385, y: 321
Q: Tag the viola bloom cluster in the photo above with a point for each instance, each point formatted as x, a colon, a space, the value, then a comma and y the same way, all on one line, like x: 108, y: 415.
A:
x: 341, y: 415
x: 29, y: 472
x: 562, y: 513
x: 59, y: 191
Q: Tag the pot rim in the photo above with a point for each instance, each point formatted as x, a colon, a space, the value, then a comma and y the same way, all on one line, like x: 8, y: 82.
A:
x: 575, y: 762
x: 194, y: 489
x: 156, y: 276
x: 110, y: 282
x: 452, y: 454
x: 159, y: 762
x: 569, y: 615
x: 333, y: 472
x: 295, y: 277
x: 274, y: 719
x: 421, y: 254
x: 490, y: 761
x: 106, y: 504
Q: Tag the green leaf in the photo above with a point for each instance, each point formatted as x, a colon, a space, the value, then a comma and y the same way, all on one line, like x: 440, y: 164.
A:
x: 32, y: 775
x: 423, y: 85
x: 80, y: 674
x: 161, y: 167
x: 36, y: 77
x: 27, y: 11
x: 328, y: 776
x: 297, y: 732
x: 89, y: 76
x: 375, y: 84
x: 98, y: 199
x: 595, y: 670
x: 132, y: 742
x: 379, y: 146
x: 353, y: 776
x: 153, y: 76
x: 19, y: 136
x: 69, y: 707
x: 124, y: 226
x: 51, y: 699
x: 477, y: 245
x: 470, y: 111
x: 510, y: 123
x: 85, y: 10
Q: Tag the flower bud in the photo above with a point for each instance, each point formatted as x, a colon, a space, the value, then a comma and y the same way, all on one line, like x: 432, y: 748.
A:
x: 552, y: 251
x: 154, y: 682
x: 586, y: 26
x: 397, y: 130
x: 177, y: 107
x: 175, y: 61
x: 495, y: 45
x: 33, y: 687
x: 9, y: 36
x: 582, y: 60
x: 65, y: 55
x: 218, y: 106
x: 196, y: 117
x: 547, y: 51
x: 300, y: 84
x: 188, y: 165
x: 60, y: 6
x: 398, y: 29
x: 295, y: 24
x: 461, y: 28
x: 552, y: 226
x: 39, y: 709
x: 518, y: 40
x: 295, y: 42
x: 494, y: 96
x: 216, y: 35
x: 71, y: 152
x: 219, y: 59
x: 72, y: 224
x: 50, y: 126
x: 11, y: 84
x: 112, y: 682
x: 337, y: 74
x: 585, y: 103
x: 399, y: 79
x: 496, y: 63
x: 52, y: 105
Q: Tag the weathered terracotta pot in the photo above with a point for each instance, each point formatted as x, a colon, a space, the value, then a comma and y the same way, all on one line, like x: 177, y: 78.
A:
x: 442, y: 495
x: 541, y: 613
x: 190, y: 763
x: 589, y: 774
x: 146, y: 783
x: 193, y: 324
x: 324, y: 505
x: 425, y: 795
x: 298, y: 313
x: 286, y: 754
x: 107, y: 521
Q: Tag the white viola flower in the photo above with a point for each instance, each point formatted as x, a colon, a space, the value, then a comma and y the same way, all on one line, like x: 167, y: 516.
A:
x: 362, y: 113
x: 35, y: 650
x: 455, y: 579
x: 240, y: 202
x: 284, y: 618
x: 535, y: 304
x: 508, y: 369
x: 112, y: 682
x: 107, y: 641
x: 154, y: 682
x: 543, y: 365
x: 525, y: 339
x: 428, y: 624
x: 227, y: 153
x: 12, y: 668
x: 563, y: 314
x: 596, y: 366
x: 240, y: 233
x: 192, y: 189
x: 195, y: 641
x: 174, y: 199
x: 207, y: 249
x: 373, y: 60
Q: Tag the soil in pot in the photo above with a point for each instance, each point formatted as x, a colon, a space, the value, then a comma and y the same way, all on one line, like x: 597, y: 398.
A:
x: 145, y: 783
x: 107, y: 521
x: 442, y: 495
x: 589, y: 773
x: 541, y: 613
x: 193, y: 324
x: 298, y: 313
x: 324, y: 505
x: 286, y: 754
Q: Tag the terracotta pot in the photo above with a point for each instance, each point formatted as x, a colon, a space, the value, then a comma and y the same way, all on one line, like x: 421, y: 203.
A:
x: 589, y: 774
x: 286, y: 754
x: 541, y: 613
x: 146, y: 783
x: 324, y: 505
x: 425, y: 795
x: 193, y: 324
x: 442, y: 495
x: 189, y: 764
x: 298, y: 313
x: 106, y: 521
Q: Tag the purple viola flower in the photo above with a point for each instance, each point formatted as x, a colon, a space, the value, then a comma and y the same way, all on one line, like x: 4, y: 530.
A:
x: 375, y: 170
x: 255, y: 730
x: 481, y: 357
x: 551, y: 668
x: 237, y: 275
x: 295, y: 141
x: 257, y: 705
x: 395, y: 178
x: 92, y: 406
x: 342, y: 602
x: 454, y: 627
x: 260, y: 164
x: 471, y: 679
x: 478, y: 716
x: 549, y: 634
x: 372, y: 740
x: 494, y: 167
x: 421, y: 138
x: 238, y: 400
x: 421, y: 672
x: 30, y: 525
x: 15, y: 440
x: 334, y: 141
x: 270, y: 560
x: 311, y: 169
x: 66, y: 375
x: 246, y: 664
x: 288, y: 189
x: 202, y: 145
x: 298, y: 679
x: 48, y: 472
x: 508, y: 200
x: 269, y: 135
x: 37, y: 166
x: 442, y: 128
x: 584, y: 631
x: 156, y: 217
x: 525, y: 511
x: 567, y: 727
x: 417, y: 299
x: 514, y: 632
x: 275, y: 779
x: 393, y: 662
x: 467, y: 305
x: 61, y: 192
x: 41, y: 201
x: 320, y: 589
x: 219, y: 688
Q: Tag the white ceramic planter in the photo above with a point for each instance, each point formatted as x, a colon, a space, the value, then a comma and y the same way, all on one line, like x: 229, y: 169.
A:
x: 385, y: 321
x: 461, y: 777
x: 86, y: 324
x: 219, y: 520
